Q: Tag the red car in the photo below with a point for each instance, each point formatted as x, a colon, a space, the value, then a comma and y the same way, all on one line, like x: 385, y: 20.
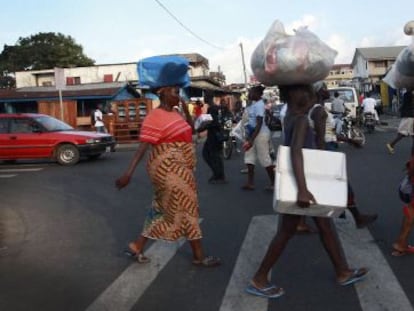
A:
x: 38, y: 136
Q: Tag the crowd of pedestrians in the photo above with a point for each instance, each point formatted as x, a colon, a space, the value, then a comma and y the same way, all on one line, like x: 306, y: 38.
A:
x: 168, y: 132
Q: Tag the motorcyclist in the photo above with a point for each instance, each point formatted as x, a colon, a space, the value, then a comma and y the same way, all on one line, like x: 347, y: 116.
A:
x: 368, y: 106
x: 338, y: 110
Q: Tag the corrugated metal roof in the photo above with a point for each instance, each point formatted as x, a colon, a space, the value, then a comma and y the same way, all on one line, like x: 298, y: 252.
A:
x: 201, y: 84
x: 385, y: 52
x: 102, y: 90
x: 72, y: 88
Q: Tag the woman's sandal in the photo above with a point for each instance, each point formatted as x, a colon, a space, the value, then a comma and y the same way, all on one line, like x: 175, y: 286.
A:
x: 140, y: 258
x: 271, y: 291
x: 401, y: 252
x: 355, y: 276
x: 208, y: 261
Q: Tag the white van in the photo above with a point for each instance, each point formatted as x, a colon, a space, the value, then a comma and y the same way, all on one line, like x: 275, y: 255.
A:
x: 349, y: 95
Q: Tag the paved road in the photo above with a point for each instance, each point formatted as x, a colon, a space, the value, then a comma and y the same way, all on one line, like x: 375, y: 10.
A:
x: 63, y: 229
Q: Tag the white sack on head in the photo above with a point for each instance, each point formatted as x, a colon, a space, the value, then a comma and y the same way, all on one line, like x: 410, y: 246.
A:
x: 282, y: 59
x: 401, y: 74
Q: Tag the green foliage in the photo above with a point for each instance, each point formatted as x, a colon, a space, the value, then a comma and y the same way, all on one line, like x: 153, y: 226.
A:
x: 42, y: 51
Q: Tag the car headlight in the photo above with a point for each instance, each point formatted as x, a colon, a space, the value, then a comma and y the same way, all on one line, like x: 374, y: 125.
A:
x: 93, y: 140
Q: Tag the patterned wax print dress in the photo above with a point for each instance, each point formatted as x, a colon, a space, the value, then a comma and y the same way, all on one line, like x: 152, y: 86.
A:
x: 174, y: 212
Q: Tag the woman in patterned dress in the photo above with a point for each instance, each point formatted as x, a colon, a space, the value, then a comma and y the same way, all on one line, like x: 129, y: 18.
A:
x: 175, y: 210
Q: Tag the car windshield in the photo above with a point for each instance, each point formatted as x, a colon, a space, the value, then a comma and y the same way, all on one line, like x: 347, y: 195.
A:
x: 346, y: 94
x: 52, y: 124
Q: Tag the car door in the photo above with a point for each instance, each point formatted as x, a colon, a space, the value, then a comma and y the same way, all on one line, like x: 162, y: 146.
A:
x: 5, y: 143
x: 25, y: 139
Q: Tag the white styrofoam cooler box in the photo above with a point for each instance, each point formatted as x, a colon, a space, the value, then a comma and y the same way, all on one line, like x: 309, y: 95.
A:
x: 326, y: 179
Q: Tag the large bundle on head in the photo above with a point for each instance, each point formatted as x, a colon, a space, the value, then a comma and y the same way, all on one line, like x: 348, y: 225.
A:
x: 401, y: 74
x: 168, y: 70
x: 282, y: 59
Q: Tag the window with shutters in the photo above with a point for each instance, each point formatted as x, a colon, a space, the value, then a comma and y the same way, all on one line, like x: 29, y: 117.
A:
x: 108, y: 78
x: 73, y: 80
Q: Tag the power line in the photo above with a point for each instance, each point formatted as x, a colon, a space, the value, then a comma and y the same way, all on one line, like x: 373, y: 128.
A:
x: 185, y: 27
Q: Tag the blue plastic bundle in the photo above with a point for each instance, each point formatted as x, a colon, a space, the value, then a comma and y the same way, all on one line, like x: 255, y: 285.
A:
x: 159, y: 71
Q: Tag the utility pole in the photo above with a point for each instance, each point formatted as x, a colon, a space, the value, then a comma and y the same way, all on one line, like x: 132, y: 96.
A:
x: 244, y: 66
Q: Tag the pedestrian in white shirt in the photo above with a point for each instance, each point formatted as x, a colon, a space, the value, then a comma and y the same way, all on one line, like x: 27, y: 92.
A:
x: 98, y: 117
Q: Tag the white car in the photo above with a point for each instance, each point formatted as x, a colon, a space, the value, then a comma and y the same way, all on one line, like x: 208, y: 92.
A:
x: 349, y: 95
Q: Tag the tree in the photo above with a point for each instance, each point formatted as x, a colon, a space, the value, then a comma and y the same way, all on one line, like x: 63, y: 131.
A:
x: 42, y: 51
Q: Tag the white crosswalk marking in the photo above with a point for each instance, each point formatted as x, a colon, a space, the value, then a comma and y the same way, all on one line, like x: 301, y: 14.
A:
x: 5, y: 173
x: 19, y: 170
x: 381, y: 289
x: 125, y: 291
x: 261, y: 228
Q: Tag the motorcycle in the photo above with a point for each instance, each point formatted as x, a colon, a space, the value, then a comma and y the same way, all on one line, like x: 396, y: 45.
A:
x: 369, y: 122
x: 350, y: 132
x: 229, y: 140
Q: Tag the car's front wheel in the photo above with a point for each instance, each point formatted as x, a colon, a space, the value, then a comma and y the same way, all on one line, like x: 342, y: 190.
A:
x: 67, y: 154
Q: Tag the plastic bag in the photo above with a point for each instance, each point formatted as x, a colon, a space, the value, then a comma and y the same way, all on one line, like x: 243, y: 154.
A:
x: 159, y: 71
x: 205, y: 117
x: 405, y: 189
x: 282, y: 59
x: 401, y: 74
x: 237, y: 131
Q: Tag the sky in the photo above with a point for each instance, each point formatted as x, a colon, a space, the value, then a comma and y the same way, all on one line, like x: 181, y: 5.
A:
x: 126, y: 31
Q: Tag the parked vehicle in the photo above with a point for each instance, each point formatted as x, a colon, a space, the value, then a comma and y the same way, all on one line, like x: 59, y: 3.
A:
x: 369, y: 122
x: 38, y: 136
x: 349, y: 95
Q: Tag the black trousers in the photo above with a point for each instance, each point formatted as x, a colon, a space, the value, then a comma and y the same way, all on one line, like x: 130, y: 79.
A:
x: 213, y: 155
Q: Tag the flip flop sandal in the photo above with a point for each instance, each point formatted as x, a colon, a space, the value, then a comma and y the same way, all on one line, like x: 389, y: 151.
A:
x: 356, y: 276
x: 398, y: 253
x: 270, y: 292
x: 208, y: 261
x: 140, y: 258
x: 130, y: 253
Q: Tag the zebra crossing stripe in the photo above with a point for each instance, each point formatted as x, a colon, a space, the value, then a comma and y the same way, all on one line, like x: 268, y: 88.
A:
x: 381, y: 289
x: 261, y: 228
x: 19, y: 170
x: 126, y: 290
x: 7, y: 175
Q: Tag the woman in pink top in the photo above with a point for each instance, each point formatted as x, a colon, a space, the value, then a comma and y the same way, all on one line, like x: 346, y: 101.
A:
x: 175, y: 210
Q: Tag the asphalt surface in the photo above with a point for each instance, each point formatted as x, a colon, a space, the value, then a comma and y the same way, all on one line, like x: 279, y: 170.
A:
x: 63, y: 229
